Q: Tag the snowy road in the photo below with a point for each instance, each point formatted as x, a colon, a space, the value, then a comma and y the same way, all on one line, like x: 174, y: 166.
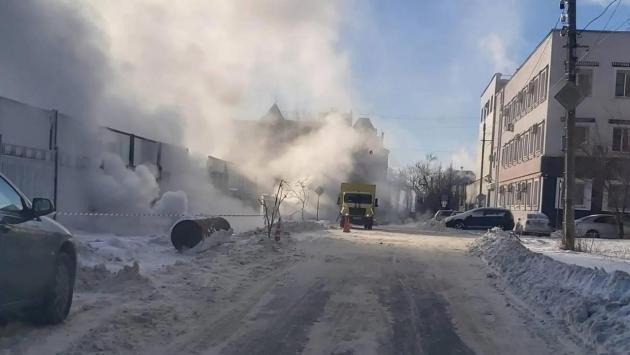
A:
x: 322, y: 292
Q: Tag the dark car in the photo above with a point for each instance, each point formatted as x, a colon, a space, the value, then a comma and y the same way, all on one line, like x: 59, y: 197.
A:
x: 482, y: 218
x: 37, y: 259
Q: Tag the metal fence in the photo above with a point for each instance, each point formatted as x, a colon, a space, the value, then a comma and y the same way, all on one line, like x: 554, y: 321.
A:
x: 31, y: 168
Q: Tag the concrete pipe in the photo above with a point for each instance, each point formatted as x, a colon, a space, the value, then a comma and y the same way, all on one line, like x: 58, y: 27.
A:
x: 187, y: 233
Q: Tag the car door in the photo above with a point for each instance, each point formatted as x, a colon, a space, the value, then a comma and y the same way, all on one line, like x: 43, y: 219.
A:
x: 606, y: 226
x: 475, y: 219
x: 11, y: 208
x: 492, y: 218
x: 24, y: 258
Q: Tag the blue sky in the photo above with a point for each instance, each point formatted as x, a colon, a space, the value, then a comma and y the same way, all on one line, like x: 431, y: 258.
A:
x: 419, y: 66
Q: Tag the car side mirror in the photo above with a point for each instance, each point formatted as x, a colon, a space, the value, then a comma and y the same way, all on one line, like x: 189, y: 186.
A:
x: 375, y: 202
x: 42, y: 207
x: 339, y: 201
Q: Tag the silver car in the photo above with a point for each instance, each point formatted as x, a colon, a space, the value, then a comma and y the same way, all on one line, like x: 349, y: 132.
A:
x: 537, y: 224
x: 600, y: 226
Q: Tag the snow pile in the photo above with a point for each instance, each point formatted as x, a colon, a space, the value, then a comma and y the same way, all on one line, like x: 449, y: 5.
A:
x: 593, y: 303
x: 99, y: 279
x: 114, y: 252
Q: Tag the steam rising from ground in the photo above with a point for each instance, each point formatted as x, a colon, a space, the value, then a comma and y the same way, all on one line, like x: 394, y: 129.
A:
x: 213, y: 61
x: 181, y: 72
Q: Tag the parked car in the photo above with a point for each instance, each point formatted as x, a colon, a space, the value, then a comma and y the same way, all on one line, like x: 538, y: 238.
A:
x: 600, y: 226
x: 481, y: 218
x: 537, y: 224
x: 37, y: 259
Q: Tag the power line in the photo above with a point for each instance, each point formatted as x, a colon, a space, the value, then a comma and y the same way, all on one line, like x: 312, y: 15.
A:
x: 590, y: 49
x: 612, y: 14
x: 600, y: 15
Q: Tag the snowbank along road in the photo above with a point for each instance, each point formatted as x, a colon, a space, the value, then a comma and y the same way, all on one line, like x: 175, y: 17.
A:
x: 316, y: 292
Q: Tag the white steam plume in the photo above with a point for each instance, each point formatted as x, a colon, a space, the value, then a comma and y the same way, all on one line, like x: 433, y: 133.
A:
x: 180, y: 72
x: 213, y: 61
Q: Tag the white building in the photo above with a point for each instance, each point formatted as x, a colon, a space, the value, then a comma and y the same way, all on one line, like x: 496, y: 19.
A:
x: 489, y: 116
x: 526, y: 155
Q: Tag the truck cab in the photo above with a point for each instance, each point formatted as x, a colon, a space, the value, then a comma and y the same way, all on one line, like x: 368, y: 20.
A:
x: 358, y: 202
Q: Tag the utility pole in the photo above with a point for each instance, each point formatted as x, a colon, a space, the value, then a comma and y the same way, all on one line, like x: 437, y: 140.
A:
x: 568, y: 241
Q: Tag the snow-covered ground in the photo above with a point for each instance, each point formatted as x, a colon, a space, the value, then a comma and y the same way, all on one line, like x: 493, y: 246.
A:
x: 317, y: 291
x: 592, y: 303
x: 426, y: 224
x: 609, y: 254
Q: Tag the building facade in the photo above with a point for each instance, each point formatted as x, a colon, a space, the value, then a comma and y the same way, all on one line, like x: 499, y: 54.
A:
x: 527, y: 147
x: 481, y: 193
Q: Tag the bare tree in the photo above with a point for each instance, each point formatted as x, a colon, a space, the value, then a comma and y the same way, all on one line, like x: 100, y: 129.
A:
x: 617, y: 187
x: 302, y: 193
x: 271, y: 207
x: 432, y: 183
x: 612, y: 170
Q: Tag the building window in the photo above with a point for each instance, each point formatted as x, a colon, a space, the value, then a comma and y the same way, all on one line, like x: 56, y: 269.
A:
x: 527, y: 140
x: 622, y: 84
x: 543, y: 77
x: 620, y: 139
x: 536, y: 194
x: 540, y: 133
x: 514, y: 151
x: 581, y: 136
x: 578, y: 197
x: 585, y: 81
x: 615, y: 195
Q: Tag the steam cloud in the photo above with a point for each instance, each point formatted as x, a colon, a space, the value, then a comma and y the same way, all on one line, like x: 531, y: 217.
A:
x: 181, y: 72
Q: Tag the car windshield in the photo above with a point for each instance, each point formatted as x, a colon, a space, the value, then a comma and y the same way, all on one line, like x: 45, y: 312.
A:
x: 357, y: 198
x: 10, y: 200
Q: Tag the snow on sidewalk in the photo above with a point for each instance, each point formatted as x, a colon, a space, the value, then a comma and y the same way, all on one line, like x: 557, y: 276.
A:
x: 610, y: 255
x: 593, y: 303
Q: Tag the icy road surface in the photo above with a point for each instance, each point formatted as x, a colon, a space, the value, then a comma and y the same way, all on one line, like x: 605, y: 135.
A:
x: 391, y: 291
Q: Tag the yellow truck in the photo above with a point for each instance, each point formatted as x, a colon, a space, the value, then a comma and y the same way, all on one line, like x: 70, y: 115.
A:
x: 357, y: 202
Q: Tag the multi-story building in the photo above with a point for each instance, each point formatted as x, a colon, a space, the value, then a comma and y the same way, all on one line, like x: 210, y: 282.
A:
x: 526, y: 155
x: 481, y: 193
